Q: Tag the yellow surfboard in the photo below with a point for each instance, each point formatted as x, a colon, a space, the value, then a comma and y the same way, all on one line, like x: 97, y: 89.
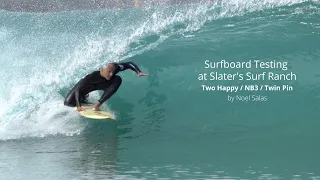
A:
x: 99, y: 115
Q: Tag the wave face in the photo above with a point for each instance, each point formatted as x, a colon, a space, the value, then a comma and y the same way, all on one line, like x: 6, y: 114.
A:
x: 43, y: 55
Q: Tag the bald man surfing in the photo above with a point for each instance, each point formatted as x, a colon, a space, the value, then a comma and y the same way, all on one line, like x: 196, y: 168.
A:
x: 105, y: 79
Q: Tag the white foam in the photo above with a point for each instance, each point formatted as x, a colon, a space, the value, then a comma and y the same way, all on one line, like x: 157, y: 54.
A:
x: 29, y: 115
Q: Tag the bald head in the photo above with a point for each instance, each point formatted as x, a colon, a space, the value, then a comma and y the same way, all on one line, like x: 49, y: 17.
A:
x: 108, y: 71
x: 110, y: 67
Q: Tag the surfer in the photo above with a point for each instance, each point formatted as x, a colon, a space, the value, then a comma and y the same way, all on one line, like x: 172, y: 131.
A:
x: 105, y: 79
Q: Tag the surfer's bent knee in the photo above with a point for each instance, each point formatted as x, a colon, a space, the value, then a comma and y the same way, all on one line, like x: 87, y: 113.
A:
x: 70, y: 100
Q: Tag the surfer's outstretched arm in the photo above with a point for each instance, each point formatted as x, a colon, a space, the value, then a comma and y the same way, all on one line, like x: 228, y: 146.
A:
x: 132, y: 66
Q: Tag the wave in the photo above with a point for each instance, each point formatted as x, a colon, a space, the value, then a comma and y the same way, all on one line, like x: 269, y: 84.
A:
x: 44, y: 54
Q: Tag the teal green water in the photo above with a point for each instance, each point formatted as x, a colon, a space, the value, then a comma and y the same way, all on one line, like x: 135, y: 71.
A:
x: 167, y: 126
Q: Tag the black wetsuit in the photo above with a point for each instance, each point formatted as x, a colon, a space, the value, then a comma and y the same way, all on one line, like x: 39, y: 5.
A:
x: 95, y: 81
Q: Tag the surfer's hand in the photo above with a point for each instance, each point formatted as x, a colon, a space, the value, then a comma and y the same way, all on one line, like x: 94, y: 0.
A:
x: 80, y: 109
x: 142, y: 74
x: 96, y: 107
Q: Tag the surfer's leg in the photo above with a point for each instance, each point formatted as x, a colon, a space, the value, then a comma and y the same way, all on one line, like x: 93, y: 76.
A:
x: 70, y: 100
x: 109, y: 88
x: 84, y: 99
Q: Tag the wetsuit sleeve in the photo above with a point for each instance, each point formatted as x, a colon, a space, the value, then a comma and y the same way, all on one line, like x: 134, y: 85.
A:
x: 129, y: 65
x: 108, y: 93
x: 113, y: 87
